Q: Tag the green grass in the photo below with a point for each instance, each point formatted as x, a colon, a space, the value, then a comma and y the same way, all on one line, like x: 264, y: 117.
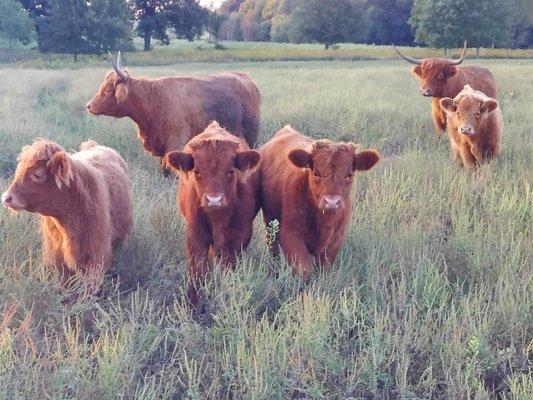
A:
x: 180, y: 51
x: 430, y: 298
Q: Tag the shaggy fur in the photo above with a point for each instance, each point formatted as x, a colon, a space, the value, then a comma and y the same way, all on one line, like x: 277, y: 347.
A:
x: 83, y: 199
x: 306, y: 188
x: 170, y: 111
x: 216, y: 165
x: 474, y: 126
x: 440, y: 79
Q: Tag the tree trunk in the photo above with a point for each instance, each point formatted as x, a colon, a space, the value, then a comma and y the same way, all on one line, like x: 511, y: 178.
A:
x: 477, y: 52
x: 75, y: 57
x: 326, y: 46
x: 445, y: 52
x: 147, y: 45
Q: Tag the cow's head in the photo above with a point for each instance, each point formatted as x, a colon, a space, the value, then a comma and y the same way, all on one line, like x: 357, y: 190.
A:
x: 433, y: 72
x: 468, y: 112
x: 330, y: 171
x: 44, y: 172
x: 113, y: 92
x: 214, y: 167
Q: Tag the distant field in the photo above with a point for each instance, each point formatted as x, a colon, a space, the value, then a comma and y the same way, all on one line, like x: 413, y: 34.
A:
x: 431, y: 297
x: 180, y: 51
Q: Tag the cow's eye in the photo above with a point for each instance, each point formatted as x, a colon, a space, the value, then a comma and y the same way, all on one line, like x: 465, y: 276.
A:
x: 230, y: 173
x: 37, y: 176
x: 316, y: 174
x: 349, y: 176
x: 197, y: 174
x: 478, y: 114
x: 441, y: 75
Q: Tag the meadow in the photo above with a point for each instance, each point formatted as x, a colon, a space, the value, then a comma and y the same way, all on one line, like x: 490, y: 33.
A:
x: 430, y: 298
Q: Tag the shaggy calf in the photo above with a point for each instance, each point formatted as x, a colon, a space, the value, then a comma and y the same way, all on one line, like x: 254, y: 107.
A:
x: 218, y: 196
x: 306, y: 187
x: 474, y: 126
x: 83, y: 199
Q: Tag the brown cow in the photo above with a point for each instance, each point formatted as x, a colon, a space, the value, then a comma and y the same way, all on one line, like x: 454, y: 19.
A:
x: 83, y: 199
x: 441, y: 77
x: 306, y: 187
x: 218, y: 197
x: 474, y: 125
x: 170, y: 111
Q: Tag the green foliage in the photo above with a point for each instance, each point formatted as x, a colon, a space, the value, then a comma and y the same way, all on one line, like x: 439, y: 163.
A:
x: 75, y: 26
x: 430, y: 297
x: 15, y: 23
x: 329, y: 22
x: 447, y: 23
x: 187, y: 18
x: 389, y: 22
x: 213, y: 24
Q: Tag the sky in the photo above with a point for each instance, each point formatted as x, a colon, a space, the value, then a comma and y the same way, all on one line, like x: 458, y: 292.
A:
x: 216, y: 3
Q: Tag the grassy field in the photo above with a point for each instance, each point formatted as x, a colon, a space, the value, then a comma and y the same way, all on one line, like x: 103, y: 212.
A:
x: 430, y: 298
x: 181, y: 51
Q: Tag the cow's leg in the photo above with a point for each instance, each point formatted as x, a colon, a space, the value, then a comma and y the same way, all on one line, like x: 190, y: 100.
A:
x: 197, y: 246
x: 456, y: 152
x: 469, y: 162
x: 439, y: 117
x: 296, y: 253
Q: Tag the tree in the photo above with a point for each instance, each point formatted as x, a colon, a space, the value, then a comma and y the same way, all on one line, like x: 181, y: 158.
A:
x: 522, y: 23
x: 187, y: 17
x: 214, y: 24
x: 152, y: 20
x: 108, y: 26
x: 389, y: 22
x: 62, y: 31
x: 447, y: 23
x: 77, y: 27
x: 329, y: 22
x: 15, y: 23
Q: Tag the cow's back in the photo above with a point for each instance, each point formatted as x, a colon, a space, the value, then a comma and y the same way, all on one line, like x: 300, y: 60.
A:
x: 277, y: 171
x: 479, y: 78
x: 111, y: 171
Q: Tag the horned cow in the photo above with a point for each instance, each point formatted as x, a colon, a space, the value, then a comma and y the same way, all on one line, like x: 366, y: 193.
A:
x: 474, y: 126
x: 218, y: 197
x: 306, y: 187
x: 170, y: 111
x: 83, y: 199
x: 441, y: 77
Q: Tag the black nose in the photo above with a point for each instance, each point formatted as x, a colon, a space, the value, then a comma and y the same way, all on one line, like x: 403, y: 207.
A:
x: 88, y: 106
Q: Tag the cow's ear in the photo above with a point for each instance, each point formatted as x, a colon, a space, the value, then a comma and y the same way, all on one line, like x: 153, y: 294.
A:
x: 247, y: 160
x: 365, y: 160
x: 417, y: 70
x: 180, y: 161
x: 452, y: 70
x: 60, y: 168
x: 121, y: 91
x: 448, y: 104
x: 489, y: 106
x: 301, y: 158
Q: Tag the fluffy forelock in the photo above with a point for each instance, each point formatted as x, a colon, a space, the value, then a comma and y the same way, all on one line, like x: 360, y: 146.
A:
x: 39, y: 150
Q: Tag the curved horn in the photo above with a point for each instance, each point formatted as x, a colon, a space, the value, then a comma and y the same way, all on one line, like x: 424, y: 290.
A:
x: 406, y: 58
x: 460, y: 59
x: 118, y: 66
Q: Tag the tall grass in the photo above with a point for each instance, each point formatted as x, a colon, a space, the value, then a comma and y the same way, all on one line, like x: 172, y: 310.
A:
x: 431, y: 296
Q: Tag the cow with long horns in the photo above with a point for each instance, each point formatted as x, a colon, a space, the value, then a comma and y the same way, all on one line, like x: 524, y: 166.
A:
x: 170, y: 111
x: 441, y: 77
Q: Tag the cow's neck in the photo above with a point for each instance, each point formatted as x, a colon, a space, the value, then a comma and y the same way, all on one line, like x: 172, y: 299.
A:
x: 144, y: 100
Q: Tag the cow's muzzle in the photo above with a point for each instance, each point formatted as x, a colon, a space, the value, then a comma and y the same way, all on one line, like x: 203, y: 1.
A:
x: 466, y: 130
x: 330, y: 202
x: 9, y: 200
x: 215, y: 200
x: 427, y: 92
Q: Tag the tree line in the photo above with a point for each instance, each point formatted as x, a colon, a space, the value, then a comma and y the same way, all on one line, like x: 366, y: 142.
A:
x: 435, y: 23
x: 97, y: 26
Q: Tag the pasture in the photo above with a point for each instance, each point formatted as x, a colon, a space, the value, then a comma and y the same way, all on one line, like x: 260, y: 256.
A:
x: 430, y: 298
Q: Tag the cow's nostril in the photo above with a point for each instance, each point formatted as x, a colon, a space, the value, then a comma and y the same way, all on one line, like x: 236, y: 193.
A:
x: 7, y: 199
x: 88, y: 106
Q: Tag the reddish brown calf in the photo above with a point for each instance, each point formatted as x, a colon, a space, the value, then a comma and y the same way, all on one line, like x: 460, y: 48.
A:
x: 218, y: 196
x: 306, y: 186
x: 474, y: 125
